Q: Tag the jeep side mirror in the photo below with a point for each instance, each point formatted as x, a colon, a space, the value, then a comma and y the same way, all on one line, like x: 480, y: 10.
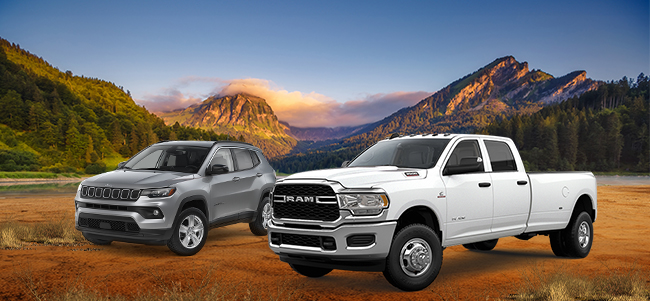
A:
x: 216, y: 169
x: 466, y: 165
x: 345, y: 163
x: 121, y: 164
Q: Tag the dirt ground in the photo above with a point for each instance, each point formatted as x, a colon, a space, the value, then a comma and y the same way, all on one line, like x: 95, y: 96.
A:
x: 234, y: 257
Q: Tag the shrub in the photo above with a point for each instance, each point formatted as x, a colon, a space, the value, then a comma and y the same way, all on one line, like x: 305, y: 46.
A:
x: 95, y: 168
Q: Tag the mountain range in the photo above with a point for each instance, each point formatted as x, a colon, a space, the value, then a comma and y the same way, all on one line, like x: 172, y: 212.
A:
x: 502, y: 88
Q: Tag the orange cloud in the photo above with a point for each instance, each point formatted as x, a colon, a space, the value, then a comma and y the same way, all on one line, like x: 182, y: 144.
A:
x: 296, y: 108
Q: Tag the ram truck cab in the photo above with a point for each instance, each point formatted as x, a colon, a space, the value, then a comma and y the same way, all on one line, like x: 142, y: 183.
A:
x: 401, y: 202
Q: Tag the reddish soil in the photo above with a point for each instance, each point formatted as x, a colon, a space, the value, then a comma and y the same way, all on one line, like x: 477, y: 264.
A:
x: 244, y: 262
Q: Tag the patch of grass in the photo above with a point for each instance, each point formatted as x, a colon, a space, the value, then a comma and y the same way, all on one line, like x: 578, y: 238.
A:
x: 36, y: 175
x: 631, y: 284
x: 41, y: 188
x: 55, y: 231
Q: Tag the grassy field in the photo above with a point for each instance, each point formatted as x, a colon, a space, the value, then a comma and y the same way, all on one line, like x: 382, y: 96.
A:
x: 53, y: 232
x: 36, y: 175
x: 40, y: 188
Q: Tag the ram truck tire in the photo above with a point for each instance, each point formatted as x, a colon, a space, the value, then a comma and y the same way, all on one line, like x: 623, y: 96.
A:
x: 487, y: 245
x: 190, y: 233
x: 469, y: 246
x: 557, y: 243
x: 96, y: 241
x: 312, y: 272
x: 262, y: 218
x: 579, y: 236
x: 414, y: 259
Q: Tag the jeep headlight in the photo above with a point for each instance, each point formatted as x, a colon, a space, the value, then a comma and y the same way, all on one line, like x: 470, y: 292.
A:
x: 363, y: 204
x: 158, y: 193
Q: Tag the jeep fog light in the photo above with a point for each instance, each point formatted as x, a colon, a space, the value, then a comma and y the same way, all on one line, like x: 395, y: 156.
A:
x: 363, y: 204
x: 149, y: 212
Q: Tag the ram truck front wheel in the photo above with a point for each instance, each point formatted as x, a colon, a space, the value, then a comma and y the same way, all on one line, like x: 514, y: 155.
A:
x: 415, y: 258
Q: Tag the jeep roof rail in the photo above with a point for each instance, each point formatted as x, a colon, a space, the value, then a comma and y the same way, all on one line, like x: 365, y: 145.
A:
x: 232, y: 141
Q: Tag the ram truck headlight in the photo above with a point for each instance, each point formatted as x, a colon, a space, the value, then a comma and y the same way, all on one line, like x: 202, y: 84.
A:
x: 159, y: 192
x: 363, y: 204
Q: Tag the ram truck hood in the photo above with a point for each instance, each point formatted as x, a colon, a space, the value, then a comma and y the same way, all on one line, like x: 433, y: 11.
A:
x: 361, y: 177
x: 138, y: 179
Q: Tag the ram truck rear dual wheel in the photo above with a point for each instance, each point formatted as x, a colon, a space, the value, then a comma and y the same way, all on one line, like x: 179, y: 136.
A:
x: 415, y: 258
x: 576, y: 239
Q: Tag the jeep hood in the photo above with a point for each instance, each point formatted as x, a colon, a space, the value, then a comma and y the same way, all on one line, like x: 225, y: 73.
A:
x: 138, y: 179
x: 361, y: 177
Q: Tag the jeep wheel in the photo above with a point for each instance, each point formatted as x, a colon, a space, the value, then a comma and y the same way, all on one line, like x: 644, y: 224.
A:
x: 308, y: 271
x: 189, y: 234
x: 415, y: 258
x: 95, y: 240
x: 258, y: 227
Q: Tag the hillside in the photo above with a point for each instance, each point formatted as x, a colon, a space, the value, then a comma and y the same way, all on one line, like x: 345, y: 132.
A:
x: 237, y: 115
x: 323, y: 133
x: 58, y: 121
x: 602, y: 130
x: 502, y: 88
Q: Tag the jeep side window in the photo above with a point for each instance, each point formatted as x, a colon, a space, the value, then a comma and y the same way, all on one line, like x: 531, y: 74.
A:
x: 256, y: 159
x: 466, y: 153
x: 244, y: 160
x: 501, y: 157
x: 223, y: 157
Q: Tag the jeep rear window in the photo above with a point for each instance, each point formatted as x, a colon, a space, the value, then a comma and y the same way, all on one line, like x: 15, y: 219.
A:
x: 169, y: 157
x: 408, y: 153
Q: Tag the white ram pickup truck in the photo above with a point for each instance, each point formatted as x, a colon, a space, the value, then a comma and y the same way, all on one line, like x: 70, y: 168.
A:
x: 401, y: 202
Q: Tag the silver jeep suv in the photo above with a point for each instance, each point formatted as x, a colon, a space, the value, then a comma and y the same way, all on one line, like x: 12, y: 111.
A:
x: 173, y: 192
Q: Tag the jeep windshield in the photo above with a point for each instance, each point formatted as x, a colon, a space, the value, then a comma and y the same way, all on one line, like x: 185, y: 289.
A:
x: 408, y: 153
x: 169, y: 158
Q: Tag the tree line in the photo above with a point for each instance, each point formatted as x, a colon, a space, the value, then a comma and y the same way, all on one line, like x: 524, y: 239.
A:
x: 55, y: 121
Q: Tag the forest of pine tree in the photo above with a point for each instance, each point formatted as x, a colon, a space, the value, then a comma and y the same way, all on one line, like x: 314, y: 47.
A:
x: 602, y: 130
x: 55, y: 121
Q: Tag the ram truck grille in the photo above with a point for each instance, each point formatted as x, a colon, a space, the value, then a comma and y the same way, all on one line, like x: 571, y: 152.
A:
x: 305, y: 202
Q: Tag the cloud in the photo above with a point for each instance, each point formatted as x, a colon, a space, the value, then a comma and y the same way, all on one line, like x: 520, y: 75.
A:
x: 169, y: 100
x: 317, y: 110
x: 297, y: 108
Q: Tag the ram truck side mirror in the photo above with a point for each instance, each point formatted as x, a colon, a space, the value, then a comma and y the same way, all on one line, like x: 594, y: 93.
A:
x: 345, y: 163
x: 121, y: 164
x: 216, y: 169
x: 466, y: 165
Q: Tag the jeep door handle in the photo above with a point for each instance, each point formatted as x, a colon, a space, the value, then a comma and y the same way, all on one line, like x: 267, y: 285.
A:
x: 484, y: 184
x: 235, y: 179
x: 522, y: 182
x: 259, y: 174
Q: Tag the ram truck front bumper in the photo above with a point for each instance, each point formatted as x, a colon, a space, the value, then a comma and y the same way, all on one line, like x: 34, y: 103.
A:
x: 356, y: 247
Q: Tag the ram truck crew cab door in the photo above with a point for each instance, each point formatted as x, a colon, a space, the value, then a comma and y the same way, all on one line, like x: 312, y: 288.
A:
x: 511, y: 188
x: 469, y: 194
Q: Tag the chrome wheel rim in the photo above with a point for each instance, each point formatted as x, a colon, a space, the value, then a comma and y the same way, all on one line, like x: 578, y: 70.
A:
x: 266, y: 215
x: 191, y: 231
x: 583, y: 234
x: 415, y: 257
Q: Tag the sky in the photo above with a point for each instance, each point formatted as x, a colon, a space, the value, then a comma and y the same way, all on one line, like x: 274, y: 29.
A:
x: 327, y: 63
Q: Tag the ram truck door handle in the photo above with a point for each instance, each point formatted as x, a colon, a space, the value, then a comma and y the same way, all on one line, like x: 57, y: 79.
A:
x: 484, y: 184
x: 259, y: 174
x: 522, y: 182
x: 235, y: 179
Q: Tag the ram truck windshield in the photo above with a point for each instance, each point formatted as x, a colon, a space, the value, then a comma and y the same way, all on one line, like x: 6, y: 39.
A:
x: 411, y: 153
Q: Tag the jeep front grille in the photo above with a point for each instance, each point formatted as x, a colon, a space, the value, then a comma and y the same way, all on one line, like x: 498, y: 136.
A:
x: 107, y: 224
x: 110, y: 193
x: 290, y: 201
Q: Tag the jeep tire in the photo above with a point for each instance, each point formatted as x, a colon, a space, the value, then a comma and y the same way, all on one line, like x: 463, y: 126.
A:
x: 262, y: 218
x: 190, y: 232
